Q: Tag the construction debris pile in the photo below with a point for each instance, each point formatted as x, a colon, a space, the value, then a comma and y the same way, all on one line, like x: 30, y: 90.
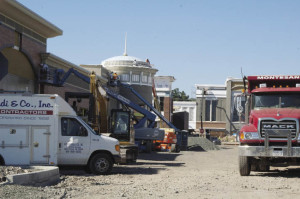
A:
x: 229, y: 138
x: 200, y: 144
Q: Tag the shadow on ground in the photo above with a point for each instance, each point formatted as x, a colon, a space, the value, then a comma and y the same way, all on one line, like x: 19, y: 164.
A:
x: 287, y: 173
x: 158, y: 156
x: 126, y: 170
x: 147, y: 164
x: 137, y: 170
x: 196, y: 148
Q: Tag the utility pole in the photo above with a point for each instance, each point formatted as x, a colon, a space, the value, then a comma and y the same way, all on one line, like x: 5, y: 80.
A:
x: 201, y: 108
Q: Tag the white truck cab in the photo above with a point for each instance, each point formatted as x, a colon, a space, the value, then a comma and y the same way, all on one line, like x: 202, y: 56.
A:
x: 43, y: 129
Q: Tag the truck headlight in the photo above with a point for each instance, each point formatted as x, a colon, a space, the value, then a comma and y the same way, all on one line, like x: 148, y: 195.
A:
x: 117, y: 147
x: 249, y: 136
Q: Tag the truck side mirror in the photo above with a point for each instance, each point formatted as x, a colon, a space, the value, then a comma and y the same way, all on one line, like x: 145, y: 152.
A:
x: 83, y: 131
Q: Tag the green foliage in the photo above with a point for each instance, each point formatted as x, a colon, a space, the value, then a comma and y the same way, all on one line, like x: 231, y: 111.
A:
x: 178, y: 95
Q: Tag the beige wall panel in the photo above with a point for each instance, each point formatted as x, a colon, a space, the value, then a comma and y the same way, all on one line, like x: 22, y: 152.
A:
x: 18, y: 64
x: 14, y: 83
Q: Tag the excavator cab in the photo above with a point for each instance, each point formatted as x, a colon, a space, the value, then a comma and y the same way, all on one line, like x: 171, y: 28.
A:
x: 120, y: 124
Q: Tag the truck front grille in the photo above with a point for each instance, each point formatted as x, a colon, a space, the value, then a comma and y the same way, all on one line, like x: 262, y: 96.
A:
x: 278, y: 129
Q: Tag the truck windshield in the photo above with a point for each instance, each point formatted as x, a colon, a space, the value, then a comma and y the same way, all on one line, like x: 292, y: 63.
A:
x: 276, y: 100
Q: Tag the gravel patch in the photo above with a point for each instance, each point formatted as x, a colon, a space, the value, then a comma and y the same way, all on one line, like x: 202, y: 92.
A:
x: 11, y: 170
x: 185, y: 175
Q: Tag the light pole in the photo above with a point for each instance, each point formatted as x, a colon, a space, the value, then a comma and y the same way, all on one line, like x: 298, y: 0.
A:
x: 201, y: 108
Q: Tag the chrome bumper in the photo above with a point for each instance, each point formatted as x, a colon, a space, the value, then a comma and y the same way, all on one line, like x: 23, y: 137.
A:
x: 271, y: 151
x: 276, y: 151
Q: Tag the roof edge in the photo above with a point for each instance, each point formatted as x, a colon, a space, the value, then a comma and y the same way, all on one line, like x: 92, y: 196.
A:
x: 52, y: 30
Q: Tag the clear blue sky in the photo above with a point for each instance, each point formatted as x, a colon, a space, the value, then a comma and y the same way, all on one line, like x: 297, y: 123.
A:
x: 196, y: 41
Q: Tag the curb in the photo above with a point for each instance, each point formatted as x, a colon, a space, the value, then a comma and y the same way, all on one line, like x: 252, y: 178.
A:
x: 230, y: 143
x: 45, y: 175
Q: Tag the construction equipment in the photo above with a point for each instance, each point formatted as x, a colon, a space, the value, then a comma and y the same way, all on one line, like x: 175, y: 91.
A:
x: 145, y: 131
x: 171, y: 141
x: 120, y: 125
x: 144, y: 128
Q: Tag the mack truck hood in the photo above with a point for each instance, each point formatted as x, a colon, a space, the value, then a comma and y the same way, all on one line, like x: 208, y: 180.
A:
x: 276, y: 113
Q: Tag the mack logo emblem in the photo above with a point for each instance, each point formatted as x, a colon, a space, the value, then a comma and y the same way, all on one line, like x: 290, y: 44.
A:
x: 279, y: 126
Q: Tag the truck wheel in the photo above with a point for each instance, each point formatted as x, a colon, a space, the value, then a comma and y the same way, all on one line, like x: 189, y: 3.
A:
x: 2, y: 163
x: 101, y: 164
x: 244, y: 165
x: 177, y: 148
x: 148, y: 147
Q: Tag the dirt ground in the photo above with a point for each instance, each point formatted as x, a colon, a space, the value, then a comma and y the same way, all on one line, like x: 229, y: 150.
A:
x: 188, y: 174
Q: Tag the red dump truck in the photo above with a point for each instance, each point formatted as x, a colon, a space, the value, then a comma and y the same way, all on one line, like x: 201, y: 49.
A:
x: 272, y: 135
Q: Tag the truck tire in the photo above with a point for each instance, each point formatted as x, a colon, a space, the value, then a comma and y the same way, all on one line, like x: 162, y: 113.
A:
x: 101, y: 164
x: 244, y: 165
x: 2, y: 163
x: 148, y: 147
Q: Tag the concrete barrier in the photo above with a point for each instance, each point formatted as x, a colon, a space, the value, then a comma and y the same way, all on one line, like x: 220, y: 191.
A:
x: 43, y: 176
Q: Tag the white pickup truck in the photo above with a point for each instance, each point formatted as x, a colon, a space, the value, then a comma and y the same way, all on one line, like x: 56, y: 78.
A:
x: 43, y: 129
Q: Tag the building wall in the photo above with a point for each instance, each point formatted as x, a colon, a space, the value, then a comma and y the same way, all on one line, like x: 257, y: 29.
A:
x: 163, y: 88
x: 202, y: 103
x: 144, y: 91
x: 31, y: 45
x: 211, y: 102
x: 143, y: 88
x: 226, y: 113
x: 23, y: 57
x: 32, y: 49
x: 168, y: 108
x: 7, y: 37
x: 23, y: 39
x: 188, y: 106
x: 82, y: 105
x: 72, y: 84
x: 234, y: 88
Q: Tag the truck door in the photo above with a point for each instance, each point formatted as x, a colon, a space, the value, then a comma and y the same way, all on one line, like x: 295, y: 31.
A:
x: 40, y: 144
x: 74, y: 142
